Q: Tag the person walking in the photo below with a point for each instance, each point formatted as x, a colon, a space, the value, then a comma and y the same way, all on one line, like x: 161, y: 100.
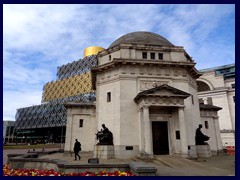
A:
x: 77, y: 148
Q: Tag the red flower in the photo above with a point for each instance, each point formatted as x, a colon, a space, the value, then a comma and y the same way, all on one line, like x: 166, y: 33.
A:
x: 45, y: 172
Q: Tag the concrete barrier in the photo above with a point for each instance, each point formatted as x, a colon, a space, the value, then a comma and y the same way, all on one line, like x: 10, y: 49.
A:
x: 141, y: 169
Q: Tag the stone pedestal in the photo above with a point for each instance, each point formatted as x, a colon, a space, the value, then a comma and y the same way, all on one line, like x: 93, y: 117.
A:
x: 192, y: 152
x: 104, y: 151
x: 203, y: 151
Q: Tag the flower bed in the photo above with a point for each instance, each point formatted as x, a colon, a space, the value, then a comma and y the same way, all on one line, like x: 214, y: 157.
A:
x: 45, y: 172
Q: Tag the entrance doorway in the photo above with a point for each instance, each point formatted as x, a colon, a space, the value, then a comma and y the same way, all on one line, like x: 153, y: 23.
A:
x: 160, y: 138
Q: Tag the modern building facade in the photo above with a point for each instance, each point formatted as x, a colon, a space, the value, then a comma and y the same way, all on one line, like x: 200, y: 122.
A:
x: 217, y: 87
x: 47, y: 122
x: 8, y: 131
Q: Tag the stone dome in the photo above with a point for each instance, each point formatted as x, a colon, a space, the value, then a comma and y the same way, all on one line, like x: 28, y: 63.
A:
x: 142, y: 37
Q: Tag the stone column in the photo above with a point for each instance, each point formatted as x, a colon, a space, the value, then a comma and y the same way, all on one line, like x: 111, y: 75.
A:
x: 141, y: 130
x: 183, y: 134
x: 146, y: 126
x: 68, y: 139
x: 217, y: 132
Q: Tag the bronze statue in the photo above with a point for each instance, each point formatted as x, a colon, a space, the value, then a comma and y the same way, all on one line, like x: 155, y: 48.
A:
x: 200, y: 137
x: 104, y: 136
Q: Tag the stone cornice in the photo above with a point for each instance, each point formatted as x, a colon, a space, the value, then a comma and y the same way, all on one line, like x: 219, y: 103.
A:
x: 213, y: 92
x: 141, y: 47
x: 117, y: 62
x: 161, y: 102
x: 209, y: 107
x: 152, y: 93
x: 79, y: 104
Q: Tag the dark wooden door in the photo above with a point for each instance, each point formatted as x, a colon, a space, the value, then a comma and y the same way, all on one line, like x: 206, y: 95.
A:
x: 160, y: 138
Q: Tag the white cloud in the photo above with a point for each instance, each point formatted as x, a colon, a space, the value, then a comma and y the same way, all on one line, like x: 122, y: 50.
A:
x: 198, y: 28
x: 13, y: 100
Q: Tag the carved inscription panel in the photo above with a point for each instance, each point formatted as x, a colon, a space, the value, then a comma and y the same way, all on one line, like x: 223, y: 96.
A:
x: 145, y: 85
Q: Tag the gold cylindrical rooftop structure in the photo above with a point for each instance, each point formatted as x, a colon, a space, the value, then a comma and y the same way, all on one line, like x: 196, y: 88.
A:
x: 92, y: 50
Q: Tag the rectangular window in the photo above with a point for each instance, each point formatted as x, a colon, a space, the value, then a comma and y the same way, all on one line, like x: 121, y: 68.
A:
x: 144, y: 55
x: 177, y: 134
x: 110, y: 57
x: 129, y: 147
x: 160, y: 55
x: 109, y: 97
x: 80, y: 122
x: 192, y: 99
x: 233, y: 86
x: 152, y: 55
x: 206, y: 124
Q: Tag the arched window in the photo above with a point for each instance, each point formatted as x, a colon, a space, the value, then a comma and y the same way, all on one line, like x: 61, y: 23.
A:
x: 202, y: 86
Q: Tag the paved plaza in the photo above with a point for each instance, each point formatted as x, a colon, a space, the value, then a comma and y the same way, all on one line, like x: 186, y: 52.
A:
x: 166, y: 165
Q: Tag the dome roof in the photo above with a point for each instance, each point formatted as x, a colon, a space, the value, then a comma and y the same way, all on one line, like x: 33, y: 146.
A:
x: 92, y: 50
x: 142, y: 37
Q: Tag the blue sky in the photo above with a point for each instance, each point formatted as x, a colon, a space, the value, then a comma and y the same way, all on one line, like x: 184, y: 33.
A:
x: 38, y: 38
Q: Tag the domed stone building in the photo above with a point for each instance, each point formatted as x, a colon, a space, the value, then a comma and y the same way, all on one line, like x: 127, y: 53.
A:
x: 146, y: 95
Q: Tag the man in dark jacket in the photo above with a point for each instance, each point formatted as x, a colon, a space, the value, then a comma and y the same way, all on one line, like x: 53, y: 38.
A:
x: 77, y: 148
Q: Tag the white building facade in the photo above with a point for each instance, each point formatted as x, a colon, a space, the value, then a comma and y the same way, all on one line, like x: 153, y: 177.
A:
x: 146, y: 95
x: 217, y: 87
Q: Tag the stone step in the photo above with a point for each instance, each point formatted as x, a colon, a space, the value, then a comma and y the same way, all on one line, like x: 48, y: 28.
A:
x: 174, y: 162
